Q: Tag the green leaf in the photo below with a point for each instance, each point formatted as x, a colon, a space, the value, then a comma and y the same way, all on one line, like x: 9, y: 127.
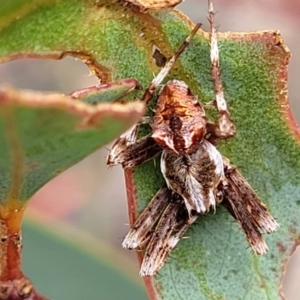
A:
x: 116, y: 43
x: 106, y: 92
x: 67, y: 271
x: 214, y: 262
x: 43, y: 134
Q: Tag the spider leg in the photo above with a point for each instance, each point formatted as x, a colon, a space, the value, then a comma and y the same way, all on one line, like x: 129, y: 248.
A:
x: 172, y: 224
x: 245, y: 206
x: 232, y: 202
x: 133, y: 154
x: 226, y: 127
x: 121, y: 144
x: 166, y: 69
x: 141, y: 231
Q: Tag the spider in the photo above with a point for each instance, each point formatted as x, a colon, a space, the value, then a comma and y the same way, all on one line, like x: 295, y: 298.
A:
x: 197, y: 177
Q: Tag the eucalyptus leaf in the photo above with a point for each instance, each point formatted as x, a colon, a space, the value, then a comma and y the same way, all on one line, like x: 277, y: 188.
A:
x: 116, y: 42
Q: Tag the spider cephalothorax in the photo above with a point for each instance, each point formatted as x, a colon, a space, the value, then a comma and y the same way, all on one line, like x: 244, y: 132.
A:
x: 178, y: 126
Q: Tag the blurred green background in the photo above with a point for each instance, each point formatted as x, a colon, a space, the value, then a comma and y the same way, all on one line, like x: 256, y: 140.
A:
x: 75, y: 224
x: 62, y: 269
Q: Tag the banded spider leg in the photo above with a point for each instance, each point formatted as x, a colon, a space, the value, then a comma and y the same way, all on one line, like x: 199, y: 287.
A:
x: 226, y: 127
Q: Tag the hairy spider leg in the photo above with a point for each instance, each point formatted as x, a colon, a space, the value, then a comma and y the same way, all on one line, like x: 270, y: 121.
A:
x: 226, y: 127
x: 166, y: 69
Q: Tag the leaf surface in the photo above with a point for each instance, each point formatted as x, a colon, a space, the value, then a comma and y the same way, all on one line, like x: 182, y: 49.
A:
x: 116, y: 42
x: 43, y: 134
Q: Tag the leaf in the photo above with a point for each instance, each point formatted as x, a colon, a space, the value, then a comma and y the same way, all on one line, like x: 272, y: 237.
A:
x: 116, y: 42
x: 144, y: 5
x: 43, y: 134
x: 214, y: 263
x: 106, y: 92
x: 40, y: 136
x: 66, y: 270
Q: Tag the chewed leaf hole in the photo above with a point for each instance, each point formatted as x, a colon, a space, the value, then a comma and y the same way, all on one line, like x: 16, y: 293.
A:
x: 65, y: 75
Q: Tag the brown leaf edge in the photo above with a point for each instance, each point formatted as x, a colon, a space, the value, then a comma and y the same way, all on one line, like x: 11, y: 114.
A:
x: 89, y: 114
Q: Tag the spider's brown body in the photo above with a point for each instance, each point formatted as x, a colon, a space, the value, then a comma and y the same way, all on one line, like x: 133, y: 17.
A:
x: 179, y: 123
